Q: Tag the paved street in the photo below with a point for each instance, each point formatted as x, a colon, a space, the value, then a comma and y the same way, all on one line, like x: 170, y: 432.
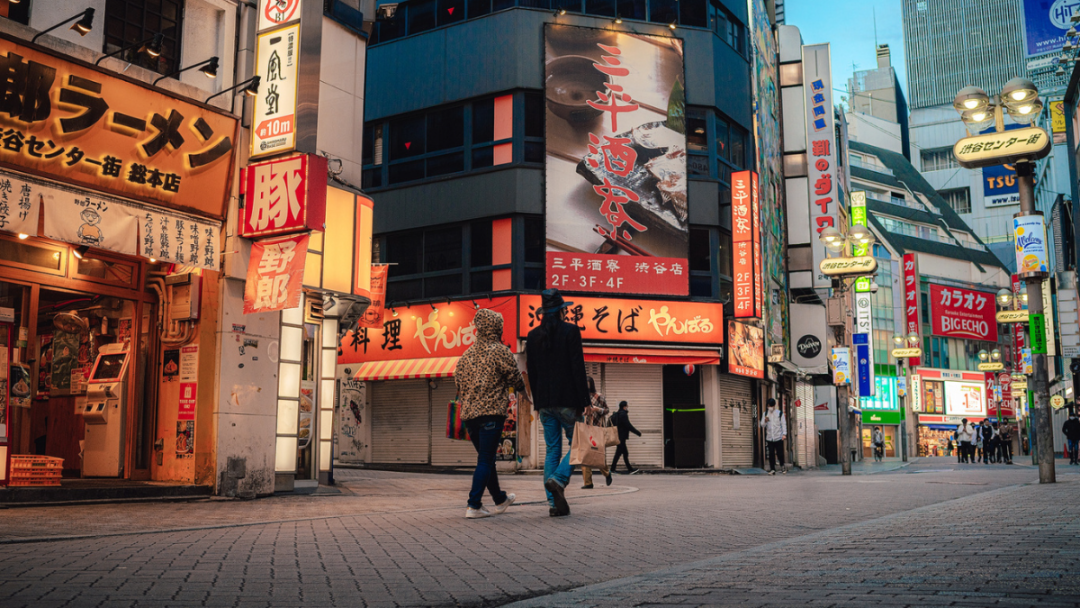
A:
x: 932, y: 533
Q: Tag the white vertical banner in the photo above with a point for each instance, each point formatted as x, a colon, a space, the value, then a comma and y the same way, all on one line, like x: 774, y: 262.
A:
x: 822, y: 177
x: 20, y: 204
x: 180, y: 239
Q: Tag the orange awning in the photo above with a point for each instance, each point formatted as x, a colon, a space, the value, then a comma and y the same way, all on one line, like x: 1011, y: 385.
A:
x: 655, y: 356
x: 400, y: 369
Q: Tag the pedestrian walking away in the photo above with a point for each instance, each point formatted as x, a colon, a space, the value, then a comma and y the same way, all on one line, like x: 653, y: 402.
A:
x: 986, y: 440
x: 1071, y: 429
x: 877, y: 438
x: 1005, y: 443
x: 775, y: 426
x: 484, y: 376
x: 621, y: 419
x: 555, y: 362
x: 959, y: 447
x: 596, y: 414
x: 948, y: 447
x: 964, y: 434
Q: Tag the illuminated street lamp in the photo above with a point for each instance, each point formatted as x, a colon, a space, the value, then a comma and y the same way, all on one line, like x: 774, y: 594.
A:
x: 984, y: 355
x: 1005, y: 297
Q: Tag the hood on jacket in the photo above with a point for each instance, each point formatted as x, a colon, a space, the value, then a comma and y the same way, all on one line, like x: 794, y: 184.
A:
x: 489, y: 325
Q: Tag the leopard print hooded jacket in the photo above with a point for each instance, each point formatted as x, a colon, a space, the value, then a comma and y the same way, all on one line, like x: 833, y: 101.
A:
x: 487, y: 371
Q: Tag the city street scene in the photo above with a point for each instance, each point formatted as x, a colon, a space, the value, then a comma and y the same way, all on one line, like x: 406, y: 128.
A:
x: 539, y: 303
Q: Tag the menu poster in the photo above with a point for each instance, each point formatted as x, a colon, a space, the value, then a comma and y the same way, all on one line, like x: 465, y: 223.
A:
x: 185, y: 438
x: 65, y: 359
x: 170, y: 364
x: 20, y: 385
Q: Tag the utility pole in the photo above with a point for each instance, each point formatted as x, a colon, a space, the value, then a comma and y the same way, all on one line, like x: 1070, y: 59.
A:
x: 843, y: 398
x: 1040, y: 408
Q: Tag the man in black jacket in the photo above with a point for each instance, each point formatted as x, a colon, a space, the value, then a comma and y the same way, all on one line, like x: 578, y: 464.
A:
x: 1071, y: 428
x: 621, y: 420
x: 560, y: 390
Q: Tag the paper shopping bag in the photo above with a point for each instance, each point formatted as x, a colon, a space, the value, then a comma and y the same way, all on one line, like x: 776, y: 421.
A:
x: 587, y: 448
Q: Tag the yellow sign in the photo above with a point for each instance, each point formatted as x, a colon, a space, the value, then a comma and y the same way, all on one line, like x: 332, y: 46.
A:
x: 1019, y: 386
x: 861, y: 265
x: 1057, y: 402
x: 277, y: 62
x: 991, y: 367
x: 906, y: 353
x: 1057, y: 117
x: 1031, y: 143
x: 80, y: 124
x: 1012, y: 316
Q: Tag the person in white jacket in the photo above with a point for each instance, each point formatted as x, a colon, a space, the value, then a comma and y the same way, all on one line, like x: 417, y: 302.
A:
x: 775, y: 433
x: 964, y: 434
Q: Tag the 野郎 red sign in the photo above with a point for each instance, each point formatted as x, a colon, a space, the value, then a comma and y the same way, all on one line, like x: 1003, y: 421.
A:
x: 746, y: 242
x: 275, y: 273
x: 617, y: 320
x: 283, y: 196
x: 963, y: 313
x: 911, y: 300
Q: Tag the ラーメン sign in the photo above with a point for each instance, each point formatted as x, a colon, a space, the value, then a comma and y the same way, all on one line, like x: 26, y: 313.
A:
x: 616, y: 176
x: 1005, y: 148
x: 80, y: 124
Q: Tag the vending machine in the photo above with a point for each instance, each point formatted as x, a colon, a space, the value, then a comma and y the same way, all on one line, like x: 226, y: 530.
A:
x: 103, y: 412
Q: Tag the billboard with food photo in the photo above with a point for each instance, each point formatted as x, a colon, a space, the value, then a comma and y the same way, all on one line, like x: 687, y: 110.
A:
x: 746, y: 350
x: 617, y: 212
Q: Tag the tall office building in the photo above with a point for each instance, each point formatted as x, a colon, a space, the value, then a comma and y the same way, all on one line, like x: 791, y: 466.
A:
x: 950, y: 45
x: 878, y: 93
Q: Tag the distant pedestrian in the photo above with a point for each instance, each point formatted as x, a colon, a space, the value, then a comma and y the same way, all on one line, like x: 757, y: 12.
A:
x: 877, y: 438
x: 775, y: 425
x: 976, y: 441
x: 995, y: 453
x: 596, y: 414
x: 986, y: 435
x: 1005, y: 443
x: 621, y: 420
x: 1071, y: 429
x: 948, y: 447
x: 964, y: 434
x: 959, y: 448
x: 484, y: 376
x: 556, y: 368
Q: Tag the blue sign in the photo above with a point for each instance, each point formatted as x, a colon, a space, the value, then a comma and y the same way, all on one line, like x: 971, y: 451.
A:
x: 885, y: 394
x: 1000, y: 186
x: 1045, y: 24
x: 864, y: 365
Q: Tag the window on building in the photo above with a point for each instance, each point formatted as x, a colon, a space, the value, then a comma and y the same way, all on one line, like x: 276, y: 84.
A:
x: 701, y: 262
x: 440, y: 262
x: 957, y: 198
x: 728, y: 28
x: 535, y: 247
x: 128, y: 22
x: 938, y: 159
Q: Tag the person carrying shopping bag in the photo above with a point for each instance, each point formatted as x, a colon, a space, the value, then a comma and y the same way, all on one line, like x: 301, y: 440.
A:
x: 596, y: 415
x: 484, y: 376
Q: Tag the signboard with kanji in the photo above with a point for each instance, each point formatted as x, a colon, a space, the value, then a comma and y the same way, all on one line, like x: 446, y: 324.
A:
x: 963, y: 313
x: 822, y: 176
x: 283, y: 196
x: 273, y: 13
x: 746, y: 242
x: 273, y: 129
x: 911, y: 300
x: 71, y: 121
x: 616, y: 173
x: 619, y: 320
x: 1007, y: 147
x: 275, y: 273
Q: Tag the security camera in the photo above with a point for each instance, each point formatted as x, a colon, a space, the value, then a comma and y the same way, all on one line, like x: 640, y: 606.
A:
x: 873, y: 286
x: 386, y: 11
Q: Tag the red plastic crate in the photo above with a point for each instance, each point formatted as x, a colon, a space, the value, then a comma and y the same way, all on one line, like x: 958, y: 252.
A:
x: 37, y: 464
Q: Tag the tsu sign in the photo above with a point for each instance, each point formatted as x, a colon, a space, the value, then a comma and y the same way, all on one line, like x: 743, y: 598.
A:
x: 284, y: 196
x: 1031, y: 143
x: 963, y: 313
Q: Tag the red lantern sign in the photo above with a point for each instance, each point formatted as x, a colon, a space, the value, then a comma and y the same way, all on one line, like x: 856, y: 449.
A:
x: 284, y: 196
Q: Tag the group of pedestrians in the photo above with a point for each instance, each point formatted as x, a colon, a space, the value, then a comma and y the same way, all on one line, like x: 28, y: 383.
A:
x: 562, y: 395
x: 987, y: 441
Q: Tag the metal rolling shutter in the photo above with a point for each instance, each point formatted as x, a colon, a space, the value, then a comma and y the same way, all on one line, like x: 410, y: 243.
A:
x: 400, y: 429
x: 447, y: 452
x: 642, y: 387
x: 738, y: 444
x: 594, y: 370
x: 806, y: 441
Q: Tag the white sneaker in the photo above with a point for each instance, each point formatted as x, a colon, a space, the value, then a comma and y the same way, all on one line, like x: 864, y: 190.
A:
x: 500, y: 509
x: 772, y: 472
x: 478, y: 513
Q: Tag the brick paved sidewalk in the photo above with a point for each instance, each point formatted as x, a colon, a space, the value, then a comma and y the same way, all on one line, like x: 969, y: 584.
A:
x: 1014, y: 546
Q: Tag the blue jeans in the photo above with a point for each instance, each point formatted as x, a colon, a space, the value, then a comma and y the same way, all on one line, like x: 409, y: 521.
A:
x: 1073, y: 446
x: 485, y: 433
x: 556, y: 421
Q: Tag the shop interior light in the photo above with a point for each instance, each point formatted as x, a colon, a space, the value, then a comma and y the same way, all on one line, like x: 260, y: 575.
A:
x: 23, y: 236
x: 80, y: 251
x: 83, y: 26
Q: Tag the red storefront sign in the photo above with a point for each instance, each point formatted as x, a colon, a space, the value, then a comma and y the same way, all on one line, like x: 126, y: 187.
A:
x: 1019, y: 342
x: 746, y: 241
x: 1004, y: 379
x: 275, y: 273
x: 284, y: 196
x: 617, y: 320
x: 963, y: 313
x: 373, y: 316
x: 423, y: 332
x: 188, y: 393
x: 617, y: 273
x: 911, y: 299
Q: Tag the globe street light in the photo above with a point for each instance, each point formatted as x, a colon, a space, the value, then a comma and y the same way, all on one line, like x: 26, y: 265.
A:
x: 995, y: 355
x: 983, y: 355
x: 1004, y: 297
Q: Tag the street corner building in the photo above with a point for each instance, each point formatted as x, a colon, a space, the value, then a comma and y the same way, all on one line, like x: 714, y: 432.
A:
x: 613, y: 151
x: 180, y: 242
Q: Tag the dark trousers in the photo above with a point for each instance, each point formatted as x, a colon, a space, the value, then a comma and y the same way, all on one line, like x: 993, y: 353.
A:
x: 775, y: 450
x: 967, y: 452
x: 988, y: 451
x: 1073, y: 446
x: 485, y: 433
x: 1004, y: 450
x: 621, y: 451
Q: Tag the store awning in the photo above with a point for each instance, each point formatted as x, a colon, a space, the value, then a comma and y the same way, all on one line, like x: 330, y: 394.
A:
x: 655, y: 356
x: 400, y: 369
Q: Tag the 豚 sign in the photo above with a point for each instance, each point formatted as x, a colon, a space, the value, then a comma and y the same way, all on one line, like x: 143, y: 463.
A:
x: 77, y: 123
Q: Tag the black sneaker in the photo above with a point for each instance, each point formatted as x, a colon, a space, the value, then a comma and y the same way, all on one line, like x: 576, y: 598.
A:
x: 588, y: 487
x: 553, y: 512
x: 557, y: 493
x: 607, y: 478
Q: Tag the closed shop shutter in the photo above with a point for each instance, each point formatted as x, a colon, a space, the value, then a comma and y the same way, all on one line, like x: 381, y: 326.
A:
x: 447, y: 452
x: 736, y: 406
x: 642, y: 387
x: 806, y: 441
x: 400, y: 425
x: 593, y: 370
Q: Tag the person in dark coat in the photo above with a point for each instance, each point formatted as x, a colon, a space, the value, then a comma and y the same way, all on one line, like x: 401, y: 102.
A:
x: 621, y: 420
x: 1071, y: 429
x: 555, y: 362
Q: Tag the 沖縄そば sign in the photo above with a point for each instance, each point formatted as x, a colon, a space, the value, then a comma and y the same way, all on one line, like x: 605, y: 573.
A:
x: 71, y: 121
x: 617, y: 214
x: 619, y: 320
